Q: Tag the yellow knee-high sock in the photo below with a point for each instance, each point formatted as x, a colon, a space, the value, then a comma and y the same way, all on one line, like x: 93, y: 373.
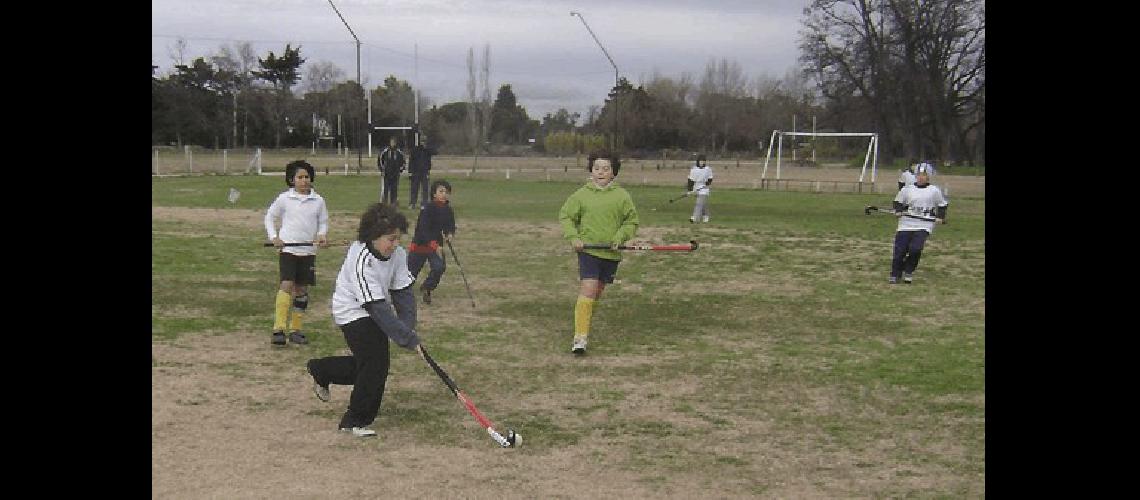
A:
x: 295, y: 320
x: 583, y: 312
x: 281, y: 311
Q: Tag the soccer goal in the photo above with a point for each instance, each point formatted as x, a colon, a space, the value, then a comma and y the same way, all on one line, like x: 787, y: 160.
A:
x: 777, y: 143
x: 404, y: 128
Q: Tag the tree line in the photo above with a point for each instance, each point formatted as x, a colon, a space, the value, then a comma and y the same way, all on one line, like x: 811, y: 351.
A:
x: 912, y: 71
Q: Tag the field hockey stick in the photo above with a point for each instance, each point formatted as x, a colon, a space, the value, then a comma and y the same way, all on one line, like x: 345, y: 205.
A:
x: 872, y: 208
x: 460, y: 266
x: 670, y: 201
x: 657, y: 248
x: 512, y: 439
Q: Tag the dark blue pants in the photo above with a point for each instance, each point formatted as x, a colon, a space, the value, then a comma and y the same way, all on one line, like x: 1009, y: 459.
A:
x: 391, y: 182
x: 366, y: 371
x: 420, y: 186
x: 437, y: 263
x: 908, y: 249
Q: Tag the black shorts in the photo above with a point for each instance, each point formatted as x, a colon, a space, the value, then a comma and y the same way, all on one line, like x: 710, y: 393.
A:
x: 594, y: 268
x: 300, y: 269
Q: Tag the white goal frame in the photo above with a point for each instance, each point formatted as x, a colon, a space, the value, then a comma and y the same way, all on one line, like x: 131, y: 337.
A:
x: 871, y: 157
x: 375, y: 128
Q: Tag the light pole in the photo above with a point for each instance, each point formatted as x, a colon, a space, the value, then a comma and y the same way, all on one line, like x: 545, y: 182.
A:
x: 616, y: 78
x: 359, y: 159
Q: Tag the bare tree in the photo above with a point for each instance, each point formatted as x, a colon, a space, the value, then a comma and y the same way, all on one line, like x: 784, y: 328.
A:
x: 239, y: 60
x: 323, y: 75
x: 485, y: 100
x: 177, y: 53
x: 919, y: 67
x: 471, y: 100
x: 722, y: 88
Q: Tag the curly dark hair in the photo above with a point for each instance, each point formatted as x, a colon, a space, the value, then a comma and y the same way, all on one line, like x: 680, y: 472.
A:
x: 378, y: 220
x: 615, y: 162
x: 435, y: 185
x: 292, y: 168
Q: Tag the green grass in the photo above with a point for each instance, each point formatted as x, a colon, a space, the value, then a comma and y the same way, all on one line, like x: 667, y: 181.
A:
x: 779, y: 337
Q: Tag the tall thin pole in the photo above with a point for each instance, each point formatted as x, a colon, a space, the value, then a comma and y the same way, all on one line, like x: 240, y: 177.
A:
x: 359, y: 146
x: 359, y: 150
x: 580, y: 18
x: 813, y: 138
x: 617, y: 79
x: 416, y: 94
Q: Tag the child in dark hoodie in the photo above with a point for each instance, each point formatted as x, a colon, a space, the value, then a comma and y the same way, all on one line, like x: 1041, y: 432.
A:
x: 435, y: 224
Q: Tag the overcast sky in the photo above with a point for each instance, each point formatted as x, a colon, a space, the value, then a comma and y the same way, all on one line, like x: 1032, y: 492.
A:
x: 545, y: 54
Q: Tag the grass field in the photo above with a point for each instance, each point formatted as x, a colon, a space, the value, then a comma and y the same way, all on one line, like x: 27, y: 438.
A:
x: 773, y: 362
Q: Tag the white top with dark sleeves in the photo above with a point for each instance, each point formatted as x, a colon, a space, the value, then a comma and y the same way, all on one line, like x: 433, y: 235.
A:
x: 920, y: 201
x: 364, y: 278
x: 701, y: 178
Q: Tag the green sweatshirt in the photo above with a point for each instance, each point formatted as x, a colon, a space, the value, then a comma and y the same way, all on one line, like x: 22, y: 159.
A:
x: 599, y: 215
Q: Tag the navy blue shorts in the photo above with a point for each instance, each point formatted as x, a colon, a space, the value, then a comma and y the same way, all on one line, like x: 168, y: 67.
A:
x: 594, y: 268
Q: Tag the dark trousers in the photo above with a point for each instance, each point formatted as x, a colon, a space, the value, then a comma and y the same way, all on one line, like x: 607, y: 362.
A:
x: 437, y: 264
x: 908, y: 249
x: 366, y: 371
x: 420, y: 186
x: 391, y: 182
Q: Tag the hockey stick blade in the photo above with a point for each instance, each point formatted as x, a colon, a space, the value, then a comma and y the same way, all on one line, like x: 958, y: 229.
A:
x: 512, y: 438
x: 461, y: 273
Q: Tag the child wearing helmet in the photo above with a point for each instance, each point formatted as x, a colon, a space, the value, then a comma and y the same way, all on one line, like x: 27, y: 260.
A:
x: 700, y: 178
x: 304, y: 218
x: 915, y: 205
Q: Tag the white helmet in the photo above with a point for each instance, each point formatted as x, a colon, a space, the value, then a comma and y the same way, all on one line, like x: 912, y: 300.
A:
x: 924, y: 168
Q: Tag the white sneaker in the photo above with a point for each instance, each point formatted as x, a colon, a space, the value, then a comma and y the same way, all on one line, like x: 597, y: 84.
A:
x: 359, y: 431
x: 907, y: 278
x: 579, y: 346
x: 705, y: 219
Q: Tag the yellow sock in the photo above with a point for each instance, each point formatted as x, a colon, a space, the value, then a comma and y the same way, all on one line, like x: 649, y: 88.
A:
x: 295, y: 320
x: 281, y: 311
x: 583, y: 311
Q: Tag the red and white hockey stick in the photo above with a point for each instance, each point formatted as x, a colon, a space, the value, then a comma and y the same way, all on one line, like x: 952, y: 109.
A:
x: 692, y: 245
x: 512, y: 439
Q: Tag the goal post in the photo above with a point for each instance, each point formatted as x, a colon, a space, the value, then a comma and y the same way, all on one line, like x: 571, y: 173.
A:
x: 404, y: 128
x: 871, y: 158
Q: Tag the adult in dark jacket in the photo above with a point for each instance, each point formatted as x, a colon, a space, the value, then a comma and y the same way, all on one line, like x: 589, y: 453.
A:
x: 391, y: 164
x: 420, y: 169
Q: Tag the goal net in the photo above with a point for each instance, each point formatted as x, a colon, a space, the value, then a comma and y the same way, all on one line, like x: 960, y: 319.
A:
x: 777, y: 143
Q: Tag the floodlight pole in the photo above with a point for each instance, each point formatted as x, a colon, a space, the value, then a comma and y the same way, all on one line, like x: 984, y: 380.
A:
x: 617, y: 79
x: 359, y: 158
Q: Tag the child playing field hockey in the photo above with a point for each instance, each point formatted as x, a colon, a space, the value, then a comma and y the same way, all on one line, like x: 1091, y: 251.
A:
x: 599, y: 212
x: 436, y: 224
x: 700, y: 178
x: 916, y: 204
x: 373, y: 302
x: 304, y: 219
